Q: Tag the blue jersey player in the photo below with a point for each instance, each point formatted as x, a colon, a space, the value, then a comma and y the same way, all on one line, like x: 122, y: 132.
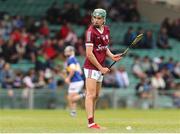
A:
x: 73, y: 79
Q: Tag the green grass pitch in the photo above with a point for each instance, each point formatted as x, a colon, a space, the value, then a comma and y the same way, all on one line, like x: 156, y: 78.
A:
x: 115, y: 121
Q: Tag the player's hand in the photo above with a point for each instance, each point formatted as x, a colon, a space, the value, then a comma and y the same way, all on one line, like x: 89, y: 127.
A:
x: 117, y: 57
x: 104, y: 70
x: 67, y: 80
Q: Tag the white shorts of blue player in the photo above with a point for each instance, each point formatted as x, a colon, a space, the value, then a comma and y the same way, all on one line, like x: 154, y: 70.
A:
x: 75, y: 87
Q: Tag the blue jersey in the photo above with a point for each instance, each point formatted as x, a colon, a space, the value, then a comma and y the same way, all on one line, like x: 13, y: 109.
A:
x: 72, y: 63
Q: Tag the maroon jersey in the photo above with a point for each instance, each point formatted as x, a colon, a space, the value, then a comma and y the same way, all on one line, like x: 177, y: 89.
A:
x: 100, y: 43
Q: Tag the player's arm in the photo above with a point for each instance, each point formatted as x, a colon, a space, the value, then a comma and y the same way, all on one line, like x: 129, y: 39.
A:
x: 114, y: 57
x: 71, y: 73
x: 93, y: 60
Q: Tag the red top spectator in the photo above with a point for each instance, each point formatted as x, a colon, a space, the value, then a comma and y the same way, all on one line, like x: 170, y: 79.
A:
x: 44, y: 30
x: 48, y: 49
x: 65, y: 30
x: 16, y: 35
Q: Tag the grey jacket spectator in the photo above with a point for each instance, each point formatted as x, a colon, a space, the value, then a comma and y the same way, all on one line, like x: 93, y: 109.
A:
x: 7, y: 76
x: 122, y: 78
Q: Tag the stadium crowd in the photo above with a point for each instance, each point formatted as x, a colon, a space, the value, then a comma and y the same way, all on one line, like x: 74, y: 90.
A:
x: 172, y: 27
x: 118, y: 10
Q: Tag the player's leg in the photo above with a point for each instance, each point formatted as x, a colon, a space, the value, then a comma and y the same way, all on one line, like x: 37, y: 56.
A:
x: 92, y: 77
x: 74, y: 96
x: 98, y: 88
x: 71, y: 93
x: 74, y: 105
x: 90, y: 97
x: 78, y: 95
x: 71, y: 105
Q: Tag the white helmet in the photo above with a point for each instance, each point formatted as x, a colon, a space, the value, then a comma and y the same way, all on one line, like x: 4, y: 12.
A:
x: 99, y: 12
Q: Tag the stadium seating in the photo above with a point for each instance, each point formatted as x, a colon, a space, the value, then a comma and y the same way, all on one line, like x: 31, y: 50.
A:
x: 119, y: 29
x: 23, y: 65
x: 34, y: 8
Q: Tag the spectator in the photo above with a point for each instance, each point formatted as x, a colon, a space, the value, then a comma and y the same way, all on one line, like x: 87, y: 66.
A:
x: 110, y: 79
x: 162, y: 41
x: 53, y: 14
x: 71, y: 38
x: 18, y: 22
x: 176, y: 71
x: 32, y: 25
x: 44, y: 29
x: 122, y: 77
x: 137, y: 69
x: 17, y: 82
x: 170, y: 64
x: 175, y: 31
x: 145, y: 92
x: 86, y: 19
x: 25, y: 38
x: 66, y: 12
x: 160, y: 62
x: 133, y: 14
x: 4, y: 33
x: 42, y: 61
x: 31, y: 50
x: 75, y: 14
x: 52, y: 86
x: 48, y: 49
x: 7, y: 24
x: 167, y: 23
x: 29, y: 84
x: 68, y: 34
x: 16, y: 35
x: 64, y: 31
x: 90, y: 4
x: 20, y: 51
x: 80, y: 47
x: 128, y: 37
x: 144, y: 89
x: 149, y: 40
x: 59, y: 46
x: 2, y: 62
x: 7, y: 78
x: 158, y: 82
x: 168, y: 78
x: 41, y: 80
x: 9, y: 52
x: 146, y: 65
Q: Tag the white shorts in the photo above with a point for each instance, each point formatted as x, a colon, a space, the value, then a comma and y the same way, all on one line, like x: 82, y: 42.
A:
x: 75, y: 87
x: 94, y: 74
